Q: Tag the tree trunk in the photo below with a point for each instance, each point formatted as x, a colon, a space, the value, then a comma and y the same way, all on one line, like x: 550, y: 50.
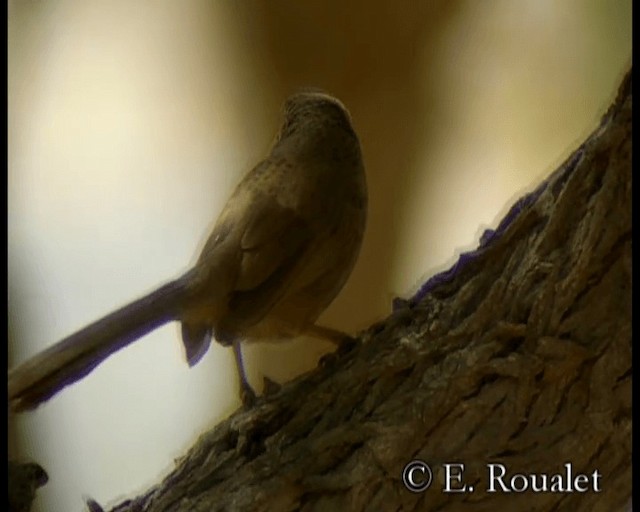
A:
x: 520, y: 355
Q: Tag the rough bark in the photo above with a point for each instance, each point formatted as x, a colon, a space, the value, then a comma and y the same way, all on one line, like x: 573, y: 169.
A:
x: 520, y: 355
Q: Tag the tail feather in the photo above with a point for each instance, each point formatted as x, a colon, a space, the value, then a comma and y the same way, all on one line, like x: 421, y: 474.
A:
x: 39, y: 378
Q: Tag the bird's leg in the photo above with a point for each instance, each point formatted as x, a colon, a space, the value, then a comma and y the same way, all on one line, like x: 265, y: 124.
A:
x: 247, y: 395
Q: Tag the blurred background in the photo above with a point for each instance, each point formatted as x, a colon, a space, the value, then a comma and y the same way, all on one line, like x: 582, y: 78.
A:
x: 131, y: 122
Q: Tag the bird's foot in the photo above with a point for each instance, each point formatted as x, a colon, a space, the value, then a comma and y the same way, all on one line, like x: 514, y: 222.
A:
x: 247, y: 396
x: 345, y: 345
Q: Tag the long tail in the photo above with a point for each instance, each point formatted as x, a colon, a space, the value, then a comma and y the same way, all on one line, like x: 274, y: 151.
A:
x: 45, y: 374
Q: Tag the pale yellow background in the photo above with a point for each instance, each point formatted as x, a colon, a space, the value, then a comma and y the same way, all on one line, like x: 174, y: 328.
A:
x: 130, y: 123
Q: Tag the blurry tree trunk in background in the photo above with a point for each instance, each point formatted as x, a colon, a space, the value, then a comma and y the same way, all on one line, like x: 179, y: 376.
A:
x: 521, y: 355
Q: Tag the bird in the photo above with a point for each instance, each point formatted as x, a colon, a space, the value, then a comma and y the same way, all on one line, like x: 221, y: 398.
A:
x: 282, y: 248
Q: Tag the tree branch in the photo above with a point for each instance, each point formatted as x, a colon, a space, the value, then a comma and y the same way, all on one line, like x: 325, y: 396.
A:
x: 519, y: 355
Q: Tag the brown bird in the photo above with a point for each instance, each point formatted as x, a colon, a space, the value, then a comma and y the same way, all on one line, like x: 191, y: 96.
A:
x: 280, y: 252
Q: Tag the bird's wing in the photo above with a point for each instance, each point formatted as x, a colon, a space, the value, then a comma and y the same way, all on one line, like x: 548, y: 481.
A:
x: 273, y: 244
